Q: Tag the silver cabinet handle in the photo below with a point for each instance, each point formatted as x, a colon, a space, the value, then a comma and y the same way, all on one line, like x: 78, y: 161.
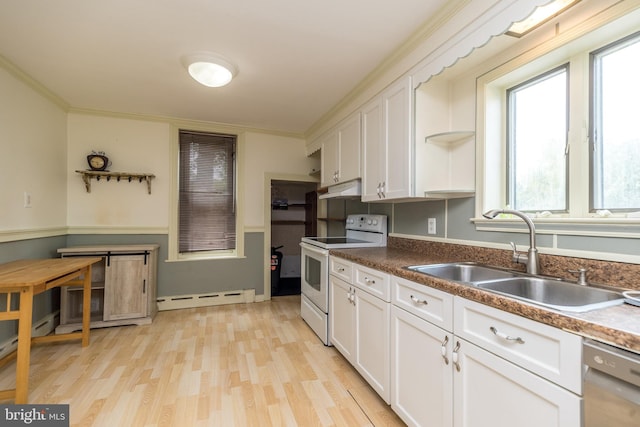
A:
x: 382, y: 189
x: 443, y: 350
x: 369, y: 281
x: 418, y: 301
x: 454, y: 356
x: 505, y: 336
x: 340, y: 269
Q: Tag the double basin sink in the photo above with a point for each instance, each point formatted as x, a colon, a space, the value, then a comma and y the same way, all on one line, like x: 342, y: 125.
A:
x: 548, y: 292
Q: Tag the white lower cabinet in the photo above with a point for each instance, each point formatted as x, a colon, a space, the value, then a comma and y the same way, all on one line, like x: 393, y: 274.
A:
x: 459, y: 363
x: 490, y: 391
x: 342, y: 317
x: 372, y: 341
x: 422, y: 381
x: 359, y: 329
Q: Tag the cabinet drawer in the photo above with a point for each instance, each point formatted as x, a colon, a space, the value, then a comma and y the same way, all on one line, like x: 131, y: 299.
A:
x: 547, y: 351
x: 373, y: 281
x: 427, y: 303
x: 341, y: 268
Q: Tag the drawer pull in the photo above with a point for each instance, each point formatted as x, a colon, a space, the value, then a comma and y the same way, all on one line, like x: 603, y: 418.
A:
x: 505, y: 336
x: 340, y: 269
x: 443, y: 350
x: 454, y: 356
x: 418, y: 301
x: 369, y: 281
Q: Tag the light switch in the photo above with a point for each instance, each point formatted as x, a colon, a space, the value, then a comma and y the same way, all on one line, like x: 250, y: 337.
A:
x: 27, y: 200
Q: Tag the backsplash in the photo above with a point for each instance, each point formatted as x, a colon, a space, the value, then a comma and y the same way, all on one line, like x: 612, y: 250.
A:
x: 606, y: 273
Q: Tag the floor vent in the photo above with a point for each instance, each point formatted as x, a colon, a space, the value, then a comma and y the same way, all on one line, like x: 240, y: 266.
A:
x: 203, y: 300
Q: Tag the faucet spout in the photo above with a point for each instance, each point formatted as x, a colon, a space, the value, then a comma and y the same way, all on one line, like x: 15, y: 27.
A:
x: 531, y: 260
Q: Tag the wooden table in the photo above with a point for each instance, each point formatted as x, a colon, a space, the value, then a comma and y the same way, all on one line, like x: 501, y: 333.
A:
x: 27, y: 278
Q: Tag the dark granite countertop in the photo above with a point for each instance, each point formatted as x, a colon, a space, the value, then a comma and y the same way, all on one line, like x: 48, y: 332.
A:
x: 618, y: 325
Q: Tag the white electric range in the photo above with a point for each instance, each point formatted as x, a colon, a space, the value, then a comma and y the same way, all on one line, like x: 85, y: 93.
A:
x: 362, y: 231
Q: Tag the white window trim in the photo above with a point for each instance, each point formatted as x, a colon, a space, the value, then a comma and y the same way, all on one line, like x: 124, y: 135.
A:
x: 490, y: 136
x: 173, y: 252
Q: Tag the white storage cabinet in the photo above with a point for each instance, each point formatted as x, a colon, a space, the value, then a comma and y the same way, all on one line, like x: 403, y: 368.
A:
x: 359, y: 322
x: 460, y: 363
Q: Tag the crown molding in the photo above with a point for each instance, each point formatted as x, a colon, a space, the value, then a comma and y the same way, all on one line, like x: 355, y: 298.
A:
x: 409, y: 46
x: 25, y: 78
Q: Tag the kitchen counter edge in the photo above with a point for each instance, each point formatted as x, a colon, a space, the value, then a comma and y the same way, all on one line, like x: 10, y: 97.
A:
x: 616, y: 325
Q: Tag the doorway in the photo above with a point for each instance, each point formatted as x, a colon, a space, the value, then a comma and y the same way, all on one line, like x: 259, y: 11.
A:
x: 293, y: 216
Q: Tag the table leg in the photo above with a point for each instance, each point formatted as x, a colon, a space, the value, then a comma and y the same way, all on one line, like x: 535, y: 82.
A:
x: 86, y: 307
x: 24, y: 346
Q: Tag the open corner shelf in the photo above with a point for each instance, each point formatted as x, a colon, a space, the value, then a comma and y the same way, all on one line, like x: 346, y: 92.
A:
x: 449, y: 137
x: 88, y: 175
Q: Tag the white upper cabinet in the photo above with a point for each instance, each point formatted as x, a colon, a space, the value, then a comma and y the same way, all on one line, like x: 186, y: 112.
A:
x: 387, y: 144
x: 340, y: 159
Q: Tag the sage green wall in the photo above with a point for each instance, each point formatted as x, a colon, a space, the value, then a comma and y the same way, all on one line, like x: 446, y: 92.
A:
x: 193, y: 277
x: 44, y: 303
x: 411, y: 219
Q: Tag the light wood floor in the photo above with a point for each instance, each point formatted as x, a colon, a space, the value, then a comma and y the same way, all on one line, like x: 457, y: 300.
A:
x: 232, y: 365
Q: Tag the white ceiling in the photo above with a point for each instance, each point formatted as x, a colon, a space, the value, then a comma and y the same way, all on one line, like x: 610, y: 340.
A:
x: 296, y: 58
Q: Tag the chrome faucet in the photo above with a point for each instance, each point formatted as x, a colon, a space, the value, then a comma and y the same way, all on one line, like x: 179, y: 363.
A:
x: 531, y: 258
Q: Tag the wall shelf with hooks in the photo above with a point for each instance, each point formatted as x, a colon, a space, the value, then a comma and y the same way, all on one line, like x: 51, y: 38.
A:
x: 87, y: 176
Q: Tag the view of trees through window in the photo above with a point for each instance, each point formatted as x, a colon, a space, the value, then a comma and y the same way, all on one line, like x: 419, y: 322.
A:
x: 537, y: 137
x: 616, y: 126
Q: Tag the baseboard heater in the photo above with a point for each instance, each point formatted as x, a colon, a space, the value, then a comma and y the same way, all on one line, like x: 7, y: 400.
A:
x: 203, y: 300
x: 40, y: 328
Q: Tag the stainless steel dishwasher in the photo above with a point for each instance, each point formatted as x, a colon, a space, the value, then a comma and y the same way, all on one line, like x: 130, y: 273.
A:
x: 611, y: 386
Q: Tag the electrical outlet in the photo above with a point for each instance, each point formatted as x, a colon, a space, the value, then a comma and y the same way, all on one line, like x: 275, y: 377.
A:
x: 431, y: 226
x: 27, y: 200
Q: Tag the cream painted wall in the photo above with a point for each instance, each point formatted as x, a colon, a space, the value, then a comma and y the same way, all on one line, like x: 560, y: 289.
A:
x: 144, y: 146
x: 32, y: 158
x: 270, y: 154
x: 135, y: 146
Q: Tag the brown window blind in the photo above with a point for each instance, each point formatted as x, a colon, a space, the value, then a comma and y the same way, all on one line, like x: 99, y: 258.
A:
x: 207, y: 218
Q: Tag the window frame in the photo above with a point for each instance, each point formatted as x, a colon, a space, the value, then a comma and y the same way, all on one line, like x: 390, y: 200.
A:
x: 574, y: 43
x: 509, y: 143
x: 595, y: 126
x: 173, y: 249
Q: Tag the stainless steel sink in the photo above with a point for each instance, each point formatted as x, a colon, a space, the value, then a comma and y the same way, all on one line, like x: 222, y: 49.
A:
x: 464, y: 272
x: 557, y: 294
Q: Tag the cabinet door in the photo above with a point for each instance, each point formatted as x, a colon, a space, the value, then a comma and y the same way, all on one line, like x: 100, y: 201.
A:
x: 372, y: 342
x: 125, y: 291
x: 329, y: 160
x: 342, y: 317
x: 372, y: 150
x: 398, y: 166
x: 490, y: 391
x: 349, y: 141
x: 421, y: 375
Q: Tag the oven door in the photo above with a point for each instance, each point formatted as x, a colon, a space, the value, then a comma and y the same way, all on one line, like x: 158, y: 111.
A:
x: 314, y: 271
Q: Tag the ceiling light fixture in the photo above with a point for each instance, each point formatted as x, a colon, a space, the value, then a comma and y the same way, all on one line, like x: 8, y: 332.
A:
x: 539, y: 16
x: 209, y: 69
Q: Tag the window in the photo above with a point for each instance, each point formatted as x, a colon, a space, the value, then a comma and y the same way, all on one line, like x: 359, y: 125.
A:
x: 557, y: 130
x: 206, y: 193
x: 615, y: 128
x: 537, y: 164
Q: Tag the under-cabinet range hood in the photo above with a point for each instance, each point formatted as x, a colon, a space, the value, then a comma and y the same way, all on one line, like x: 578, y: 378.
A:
x: 346, y: 190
